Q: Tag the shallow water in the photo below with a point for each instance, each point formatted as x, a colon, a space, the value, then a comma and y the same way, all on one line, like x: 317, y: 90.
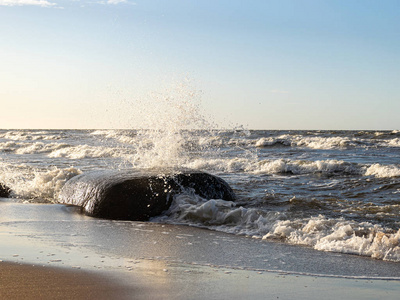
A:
x: 58, y: 235
x: 161, y: 261
x: 330, y: 190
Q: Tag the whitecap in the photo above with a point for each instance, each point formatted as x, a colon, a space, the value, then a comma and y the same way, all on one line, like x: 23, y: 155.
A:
x: 31, y: 183
x: 84, y: 151
x: 383, y: 171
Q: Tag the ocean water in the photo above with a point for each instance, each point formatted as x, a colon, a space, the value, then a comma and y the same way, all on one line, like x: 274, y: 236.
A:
x: 335, y: 191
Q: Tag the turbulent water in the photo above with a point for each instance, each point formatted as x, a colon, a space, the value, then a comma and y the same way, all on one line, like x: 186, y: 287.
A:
x: 329, y: 190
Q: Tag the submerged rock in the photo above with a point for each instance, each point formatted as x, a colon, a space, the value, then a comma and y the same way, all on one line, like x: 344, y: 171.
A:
x: 5, y: 191
x: 138, y: 195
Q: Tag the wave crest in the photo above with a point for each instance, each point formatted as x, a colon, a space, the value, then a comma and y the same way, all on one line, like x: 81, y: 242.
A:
x: 383, y: 171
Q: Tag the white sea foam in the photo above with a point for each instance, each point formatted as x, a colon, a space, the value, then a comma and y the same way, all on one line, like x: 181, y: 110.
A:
x: 107, y: 133
x: 39, y: 147
x: 48, y: 184
x: 277, y: 166
x: 29, y: 183
x: 321, y: 233
x: 8, y: 146
x: 383, y: 171
x: 325, y: 143
x: 84, y: 151
x: 308, y: 142
x: 272, y: 141
x: 21, y: 135
x: 394, y: 142
x: 30, y: 148
x: 294, y: 167
x: 339, y: 235
x: 60, y: 150
x: 321, y: 142
x: 308, y: 167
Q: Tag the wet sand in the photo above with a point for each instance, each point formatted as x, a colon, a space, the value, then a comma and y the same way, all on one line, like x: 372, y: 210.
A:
x: 182, y: 282
x: 76, y: 257
x: 23, y: 281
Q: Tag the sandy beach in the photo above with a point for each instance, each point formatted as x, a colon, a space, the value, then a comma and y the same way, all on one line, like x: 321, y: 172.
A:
x: 53, y: 252
x: 24, y: 281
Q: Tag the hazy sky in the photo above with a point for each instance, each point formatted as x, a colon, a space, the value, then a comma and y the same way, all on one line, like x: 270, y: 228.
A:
x: 261, y: 64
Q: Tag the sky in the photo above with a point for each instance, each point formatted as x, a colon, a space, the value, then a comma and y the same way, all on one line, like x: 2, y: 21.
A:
x: 300, y: 64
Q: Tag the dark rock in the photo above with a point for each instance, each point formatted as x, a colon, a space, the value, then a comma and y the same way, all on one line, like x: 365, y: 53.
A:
x: 4, y: 191
x: 138, y: 195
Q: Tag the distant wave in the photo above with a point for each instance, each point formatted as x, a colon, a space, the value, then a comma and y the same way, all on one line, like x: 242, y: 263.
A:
x: 54, y: 150
x: 84, y: 151
x: 22, y: 135
x: 295, y: 167
x: 326, y: 143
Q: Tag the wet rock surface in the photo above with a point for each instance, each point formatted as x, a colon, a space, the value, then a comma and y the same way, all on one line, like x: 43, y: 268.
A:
x: 5, y: 191
x: 138, y: 195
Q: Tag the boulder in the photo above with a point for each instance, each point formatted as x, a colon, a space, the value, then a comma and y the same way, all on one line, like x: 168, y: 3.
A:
x: 138, y: 195
x: 4, y: 191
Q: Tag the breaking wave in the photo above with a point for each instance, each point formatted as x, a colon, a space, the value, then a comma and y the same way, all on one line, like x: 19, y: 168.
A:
x: 294, y: 167
x: 320, y: 232
x: 53, y: 150
x: 34, y: 184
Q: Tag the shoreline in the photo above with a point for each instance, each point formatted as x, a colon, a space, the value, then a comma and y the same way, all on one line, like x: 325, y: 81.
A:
x: 74, y: 255
x: 178, y: 281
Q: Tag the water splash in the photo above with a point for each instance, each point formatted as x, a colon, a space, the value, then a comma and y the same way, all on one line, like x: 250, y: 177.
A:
x: 35, y: 185
x: 171, y: 120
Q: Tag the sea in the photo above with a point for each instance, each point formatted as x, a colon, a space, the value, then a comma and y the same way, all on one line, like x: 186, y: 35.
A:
x: 336, y: 191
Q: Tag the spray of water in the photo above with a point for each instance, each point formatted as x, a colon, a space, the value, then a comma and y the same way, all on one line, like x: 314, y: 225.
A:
x: 170, y: 121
